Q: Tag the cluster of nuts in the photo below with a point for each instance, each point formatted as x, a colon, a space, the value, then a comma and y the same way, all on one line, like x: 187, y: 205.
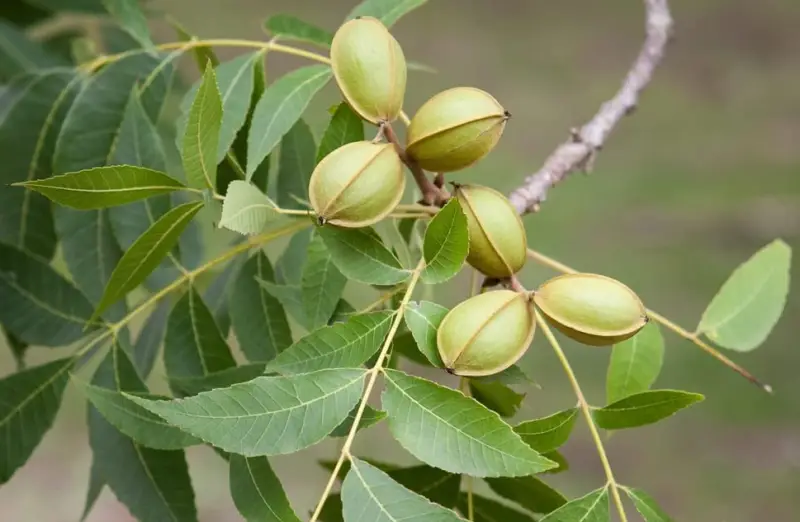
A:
x: 361, y: 183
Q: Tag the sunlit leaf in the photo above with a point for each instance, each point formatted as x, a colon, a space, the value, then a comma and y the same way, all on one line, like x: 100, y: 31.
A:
x: 387, y: 11
x: 750, y: 302
x: 222, y: 379
x: 258, y: 319
x: 34, y: 107
x: 370, y: 494
x: 282, y: 104
x: 268, y: 415
x: 246, y: 209
x: 257, y: 491
x: 635, y: 363
x: 322, y: 284
x: 423, y: 319
x: 130, y: 17
x: 193, y: 345
x: 644, y: 408
x: 490, y: 510
x: 510, y: 376
x: 291, y: 28
x: 443, y: 428
x: 102, y: 187
x: 646, y: 506
x: 146, y: 253
x: 592, y: 507
x: 496, y: 396
x: 201, y: 138
x: 37, y: 304
x: 345, y: 127
x: 446, y: 244
x: 342, y: 345
x: 30, y: 402
x: 153, y: 484
x: 360, y: 255
x: 296, y: 165
x: 548, y: 433
x: 370, y: 417
x: 529, y: 492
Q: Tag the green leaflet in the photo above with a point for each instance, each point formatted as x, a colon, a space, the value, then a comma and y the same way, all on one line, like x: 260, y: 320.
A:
x: 635, y: 363
x: 423, y: 319
x: 146, y: 253
x: 257, y: 491
x: 296, y: 165
x: 246, y: 209
x: 258, y: 319
x: 360, y: 255
x: 37, y: 304
x: 446, y: 244
x: 443, y: 428
x: 321, y: 284
x: 35, y: 107
x: 103, y: 187
x: 268, y: 415
x: 282, y: 104
x: 342, y: 345
x: 387, y: 11
x: 644, y: 408
x: 370, y: 494
x: 153, y: 484
x: 288, y: 27
x: 31, y: 400
x: 750, y: 302
x: 201, y: 137
x: 193, y: 344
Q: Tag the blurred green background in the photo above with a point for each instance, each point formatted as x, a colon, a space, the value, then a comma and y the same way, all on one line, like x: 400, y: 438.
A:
x: 702, y: 176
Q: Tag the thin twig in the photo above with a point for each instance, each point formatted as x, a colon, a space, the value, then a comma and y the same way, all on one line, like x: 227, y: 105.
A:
x: 587, y: 413
x: 373, y: 377
x: 561, y: 267
x: 431, y: 194
x: 579, y: 150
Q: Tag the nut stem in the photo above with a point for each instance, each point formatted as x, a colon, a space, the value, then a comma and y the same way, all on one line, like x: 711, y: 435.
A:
x: 431, y: 194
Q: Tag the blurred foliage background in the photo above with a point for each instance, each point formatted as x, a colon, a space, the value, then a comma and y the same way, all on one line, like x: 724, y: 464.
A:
x: 705, y: 173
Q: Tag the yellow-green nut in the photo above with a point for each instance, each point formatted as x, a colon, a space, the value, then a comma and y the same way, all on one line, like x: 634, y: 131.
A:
x: 498, y: 246
x: 455, y: 128
x: 357, y: 184
x: 487, y: 333
x: 592, y: 309
x: 370, y: 69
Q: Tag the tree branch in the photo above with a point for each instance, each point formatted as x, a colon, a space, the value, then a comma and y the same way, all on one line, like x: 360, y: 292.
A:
x: 579, y: 151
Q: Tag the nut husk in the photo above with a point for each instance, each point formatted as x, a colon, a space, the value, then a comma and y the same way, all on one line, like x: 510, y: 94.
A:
x: 486, y: 333
x: 455, y: 128
x: 357, y: 184
x: 590, y: 308
x: 370, y: 69
x: 498, y: 245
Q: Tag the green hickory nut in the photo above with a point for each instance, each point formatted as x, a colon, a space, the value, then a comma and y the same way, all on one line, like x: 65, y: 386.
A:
x: 486, y: 333
x: 498, y: 245
x: 357, y: 184
x: 370, y: 69
x: 592, y: 309
x: 455, y: 128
